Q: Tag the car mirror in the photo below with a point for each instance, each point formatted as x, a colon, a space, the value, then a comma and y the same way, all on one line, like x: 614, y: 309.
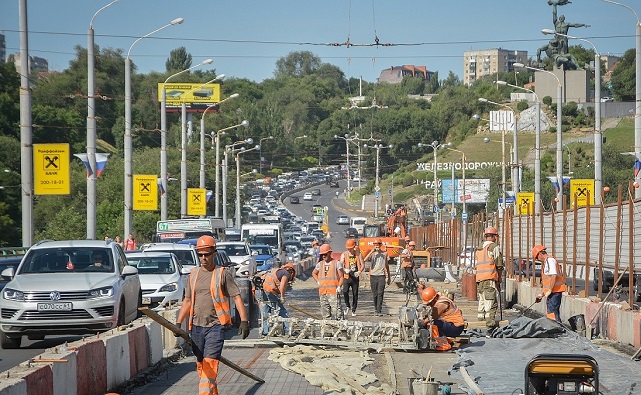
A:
x: 8, y: 272
x: 129, y: 270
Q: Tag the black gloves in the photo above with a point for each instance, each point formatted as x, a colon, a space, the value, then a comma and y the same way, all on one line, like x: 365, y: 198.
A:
x: 178, y: 324
x: 243, y: 329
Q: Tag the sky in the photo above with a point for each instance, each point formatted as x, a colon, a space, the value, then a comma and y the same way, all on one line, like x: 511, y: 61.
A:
x: 246, y: 38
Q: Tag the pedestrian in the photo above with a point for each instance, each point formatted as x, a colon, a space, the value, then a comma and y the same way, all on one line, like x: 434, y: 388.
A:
x: 118, y: 240
x: 328, y: 273
x: 378, y: 272
x: 553, y: 282
x: 130, y: 243
x: 272, y: 294
x: 489, y: 268
x: 315, y: 251
x: 443, y: 319
x: 206, y: 307
x: 353, y: 265
x: 408, y: 266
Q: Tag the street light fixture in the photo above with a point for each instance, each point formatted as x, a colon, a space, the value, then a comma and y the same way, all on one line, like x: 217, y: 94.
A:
x: 537, y: 147
x: 598, y: 139
x: 163, y: 137
x: 202, y: 135
x: 91, y: 129
x: 503, y: 177
x: 230, y: 149
x: 216, y: 136
x: 559, y: 134
x: 448, y: 146
x: 128, y: 142
x: 637, y: 117
x: 434, y: 145
x: 260, y: 153
x: 257, y: 147
x: 377, y: 188
x: 347, y: 140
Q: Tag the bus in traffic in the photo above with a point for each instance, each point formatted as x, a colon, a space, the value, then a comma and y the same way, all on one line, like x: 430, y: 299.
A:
x: 270, y: 234
x: 174, y: 230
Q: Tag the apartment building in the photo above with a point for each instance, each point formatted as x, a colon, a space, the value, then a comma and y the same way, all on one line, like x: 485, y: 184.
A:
x: 477, y: 64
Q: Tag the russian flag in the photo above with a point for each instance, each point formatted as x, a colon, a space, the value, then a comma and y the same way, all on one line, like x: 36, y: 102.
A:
x: 161, y: 187
x: 555, y: 183
x: 101, y: 162
x: 637, y: 167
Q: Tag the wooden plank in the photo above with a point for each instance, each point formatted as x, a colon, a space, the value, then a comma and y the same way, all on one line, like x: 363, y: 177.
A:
x: 342, y: 377
x: 470, y: 382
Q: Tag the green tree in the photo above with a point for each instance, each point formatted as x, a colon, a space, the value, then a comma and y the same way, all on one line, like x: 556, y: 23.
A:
x: 297, y: 64
x: 624, y: 77
x: 179, y: 59
x: 9, y: 100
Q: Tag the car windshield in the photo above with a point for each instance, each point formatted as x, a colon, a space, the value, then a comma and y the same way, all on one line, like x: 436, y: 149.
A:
x: 155, y: 265
x: 262, y: 250
x: 233, y: 249
x: 263, y: 239
x: 64, y: 260
x: 185, y: 257
x: 291, y: 248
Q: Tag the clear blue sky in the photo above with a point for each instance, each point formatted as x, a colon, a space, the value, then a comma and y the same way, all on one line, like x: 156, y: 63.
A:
x: 245, y: 38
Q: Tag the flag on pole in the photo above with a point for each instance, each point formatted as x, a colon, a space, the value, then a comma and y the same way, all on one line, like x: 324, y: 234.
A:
x: 637, y: 167
x: 101, y: 162
x: 555, y: 183
x: 161, y: 187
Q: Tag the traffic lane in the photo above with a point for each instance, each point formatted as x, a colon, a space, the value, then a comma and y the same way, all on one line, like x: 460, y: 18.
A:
x: 9, y: 359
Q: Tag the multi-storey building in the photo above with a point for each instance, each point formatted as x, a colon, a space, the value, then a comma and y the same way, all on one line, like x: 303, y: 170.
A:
x: 477, y: 64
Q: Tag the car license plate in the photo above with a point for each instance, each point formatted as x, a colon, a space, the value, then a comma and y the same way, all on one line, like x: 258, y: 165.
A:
x: 66, y: 306
x: 146, y: 300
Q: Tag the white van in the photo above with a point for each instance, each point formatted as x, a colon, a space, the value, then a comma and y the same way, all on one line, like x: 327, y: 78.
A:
x: 358, y: 223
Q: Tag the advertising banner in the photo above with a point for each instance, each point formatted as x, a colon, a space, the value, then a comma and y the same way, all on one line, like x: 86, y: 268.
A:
x: 51, y: 169
x: 197, y: 97
x: 476, y: 190
x: 196, y: 201
x: 582, y: 189
x: 145, y: 189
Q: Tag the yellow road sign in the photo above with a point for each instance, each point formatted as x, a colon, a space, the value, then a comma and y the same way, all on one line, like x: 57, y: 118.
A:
x: 524, y: 203
x: 582, y: 189
x: 145, y: 192
x: 51, y: 169
x: 196, y: 201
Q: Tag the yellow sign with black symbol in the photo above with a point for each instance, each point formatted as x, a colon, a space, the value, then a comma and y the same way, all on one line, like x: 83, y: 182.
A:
x: 582, y: 189
x: 51, y: 169
x: 195, y: 96
x: 524, y: 203
x: 145, y: 192
x: 196, y: 201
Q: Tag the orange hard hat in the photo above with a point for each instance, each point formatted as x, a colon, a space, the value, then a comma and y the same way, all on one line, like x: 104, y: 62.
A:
x: 412, y: 243
x: 290, y: 268
x: 537, y: 250
x: 350, y: 243
x: 428, y: 295
x: 490, y: 230
x: 378, y: 241
x: 324, y: 249
x: 205, y: 242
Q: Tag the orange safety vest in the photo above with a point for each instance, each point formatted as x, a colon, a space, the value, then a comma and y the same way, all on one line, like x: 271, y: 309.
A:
x: 221, y: 302
x: 328, y: 279
x: 485, y: 267
x: 352, y: 262
x: 271, y: 284
x: 453, y: 314
x: 559, y: 285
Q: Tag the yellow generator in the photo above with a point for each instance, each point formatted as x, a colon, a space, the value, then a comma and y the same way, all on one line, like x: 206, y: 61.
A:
x: 561, y: 374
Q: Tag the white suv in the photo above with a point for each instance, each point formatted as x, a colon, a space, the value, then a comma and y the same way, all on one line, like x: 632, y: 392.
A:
x: 186, y: 253
x: 68, y: 287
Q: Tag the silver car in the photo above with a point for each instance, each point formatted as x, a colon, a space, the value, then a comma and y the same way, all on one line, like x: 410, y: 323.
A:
x: 239, y: 253
x: 162, y: 278
x: 68, y: 287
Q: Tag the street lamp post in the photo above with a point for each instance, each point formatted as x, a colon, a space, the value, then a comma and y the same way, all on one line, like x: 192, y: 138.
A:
x: 238, y: 216
x: 202, y: 139
x: 163, y: 137
x: 346, y: 138
x: 435, y: 145
x: 216, y: 136
x: 559, y: 134
x: 91, y: 129
x: 537, y: 148
x: 637, y: 116
x: 260, y: 153
x: 503, y: 165
x: 229, y: 149
x: 377, y: 188
x: 464, y: 195
x: 128, y: 142
x: 598, y: 139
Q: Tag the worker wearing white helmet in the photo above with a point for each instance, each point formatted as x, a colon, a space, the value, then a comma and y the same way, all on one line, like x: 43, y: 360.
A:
x: 489, y: 266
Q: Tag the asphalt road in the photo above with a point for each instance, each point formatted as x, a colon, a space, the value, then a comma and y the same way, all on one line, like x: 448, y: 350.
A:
x: 29, y: 349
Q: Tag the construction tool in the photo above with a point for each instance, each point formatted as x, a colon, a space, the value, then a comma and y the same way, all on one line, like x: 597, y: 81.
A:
x: 303, y: 311
x: 185, y: 335
x: 528, y: 308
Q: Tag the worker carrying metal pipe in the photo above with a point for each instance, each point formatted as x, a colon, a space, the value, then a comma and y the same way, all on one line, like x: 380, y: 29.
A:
x: 271, y: 294
x: 489, y: 268
x: 329, y: 274
x: 207, y: 307
x: 442, y: 319
x: 553, y: 282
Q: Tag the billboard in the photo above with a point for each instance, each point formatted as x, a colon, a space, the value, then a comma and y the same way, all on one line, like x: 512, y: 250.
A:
x: 476, y: 190
x: 584, y: 192
x: 197, y: 97
x: 51, y: 169
x: 145, y: 192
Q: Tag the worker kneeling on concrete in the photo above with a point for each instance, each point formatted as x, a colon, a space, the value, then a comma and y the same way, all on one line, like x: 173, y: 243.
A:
x: 272, y: 294
x: 442, y: 319
x: 329, y: 274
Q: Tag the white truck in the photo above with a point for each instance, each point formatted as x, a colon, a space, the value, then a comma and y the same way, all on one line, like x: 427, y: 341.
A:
x: 358, y: 223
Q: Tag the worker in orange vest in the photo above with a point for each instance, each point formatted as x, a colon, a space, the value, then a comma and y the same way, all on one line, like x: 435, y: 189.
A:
x: 272, y: 294
x: 407, y: 264
x: 489, y: 267
x: 206, y: 307
x: 443, y: 318
x: 329, y: 275
x: 353, y: 265
x: 553, y: 282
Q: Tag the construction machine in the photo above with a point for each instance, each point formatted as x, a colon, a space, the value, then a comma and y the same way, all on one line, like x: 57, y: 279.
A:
x: 392, y: 244
x: 562, y: 374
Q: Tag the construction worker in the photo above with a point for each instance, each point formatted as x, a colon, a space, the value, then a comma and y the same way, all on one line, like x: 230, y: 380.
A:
x: 272, y: 294
x: 407, y: 264
x: 353, y: 266
x: 378, y: 272
x: 489, y: 267
x: 328, y: 273
x: 206, y: 307
x: 315, y: 248
x: 443, y: 318
x: 553, y: 282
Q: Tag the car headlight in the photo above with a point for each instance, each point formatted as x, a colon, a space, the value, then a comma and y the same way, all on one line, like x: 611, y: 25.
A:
x: 269, y: 262
x: 12, y: 294
x: 101, y: 292
x: 171, y: 287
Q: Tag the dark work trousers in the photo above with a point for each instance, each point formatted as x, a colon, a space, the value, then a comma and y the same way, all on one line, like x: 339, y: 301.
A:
x: 553, y: 304
x: 377, y: 283
x: 409, y: 277
x: 353, y: 283
x: 448, y: 329
x: 207, y: 342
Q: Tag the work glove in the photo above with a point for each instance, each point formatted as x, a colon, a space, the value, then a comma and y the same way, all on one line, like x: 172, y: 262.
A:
x: 538, y: 298
x: 339, y: 289
x: 282, y: 299
x: 389, y: 280
x: 243, y: 329
x: 178, y: 324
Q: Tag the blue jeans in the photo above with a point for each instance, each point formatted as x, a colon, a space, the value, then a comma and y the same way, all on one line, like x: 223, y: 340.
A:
x: 270, y: 304
x: 553, y: 304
